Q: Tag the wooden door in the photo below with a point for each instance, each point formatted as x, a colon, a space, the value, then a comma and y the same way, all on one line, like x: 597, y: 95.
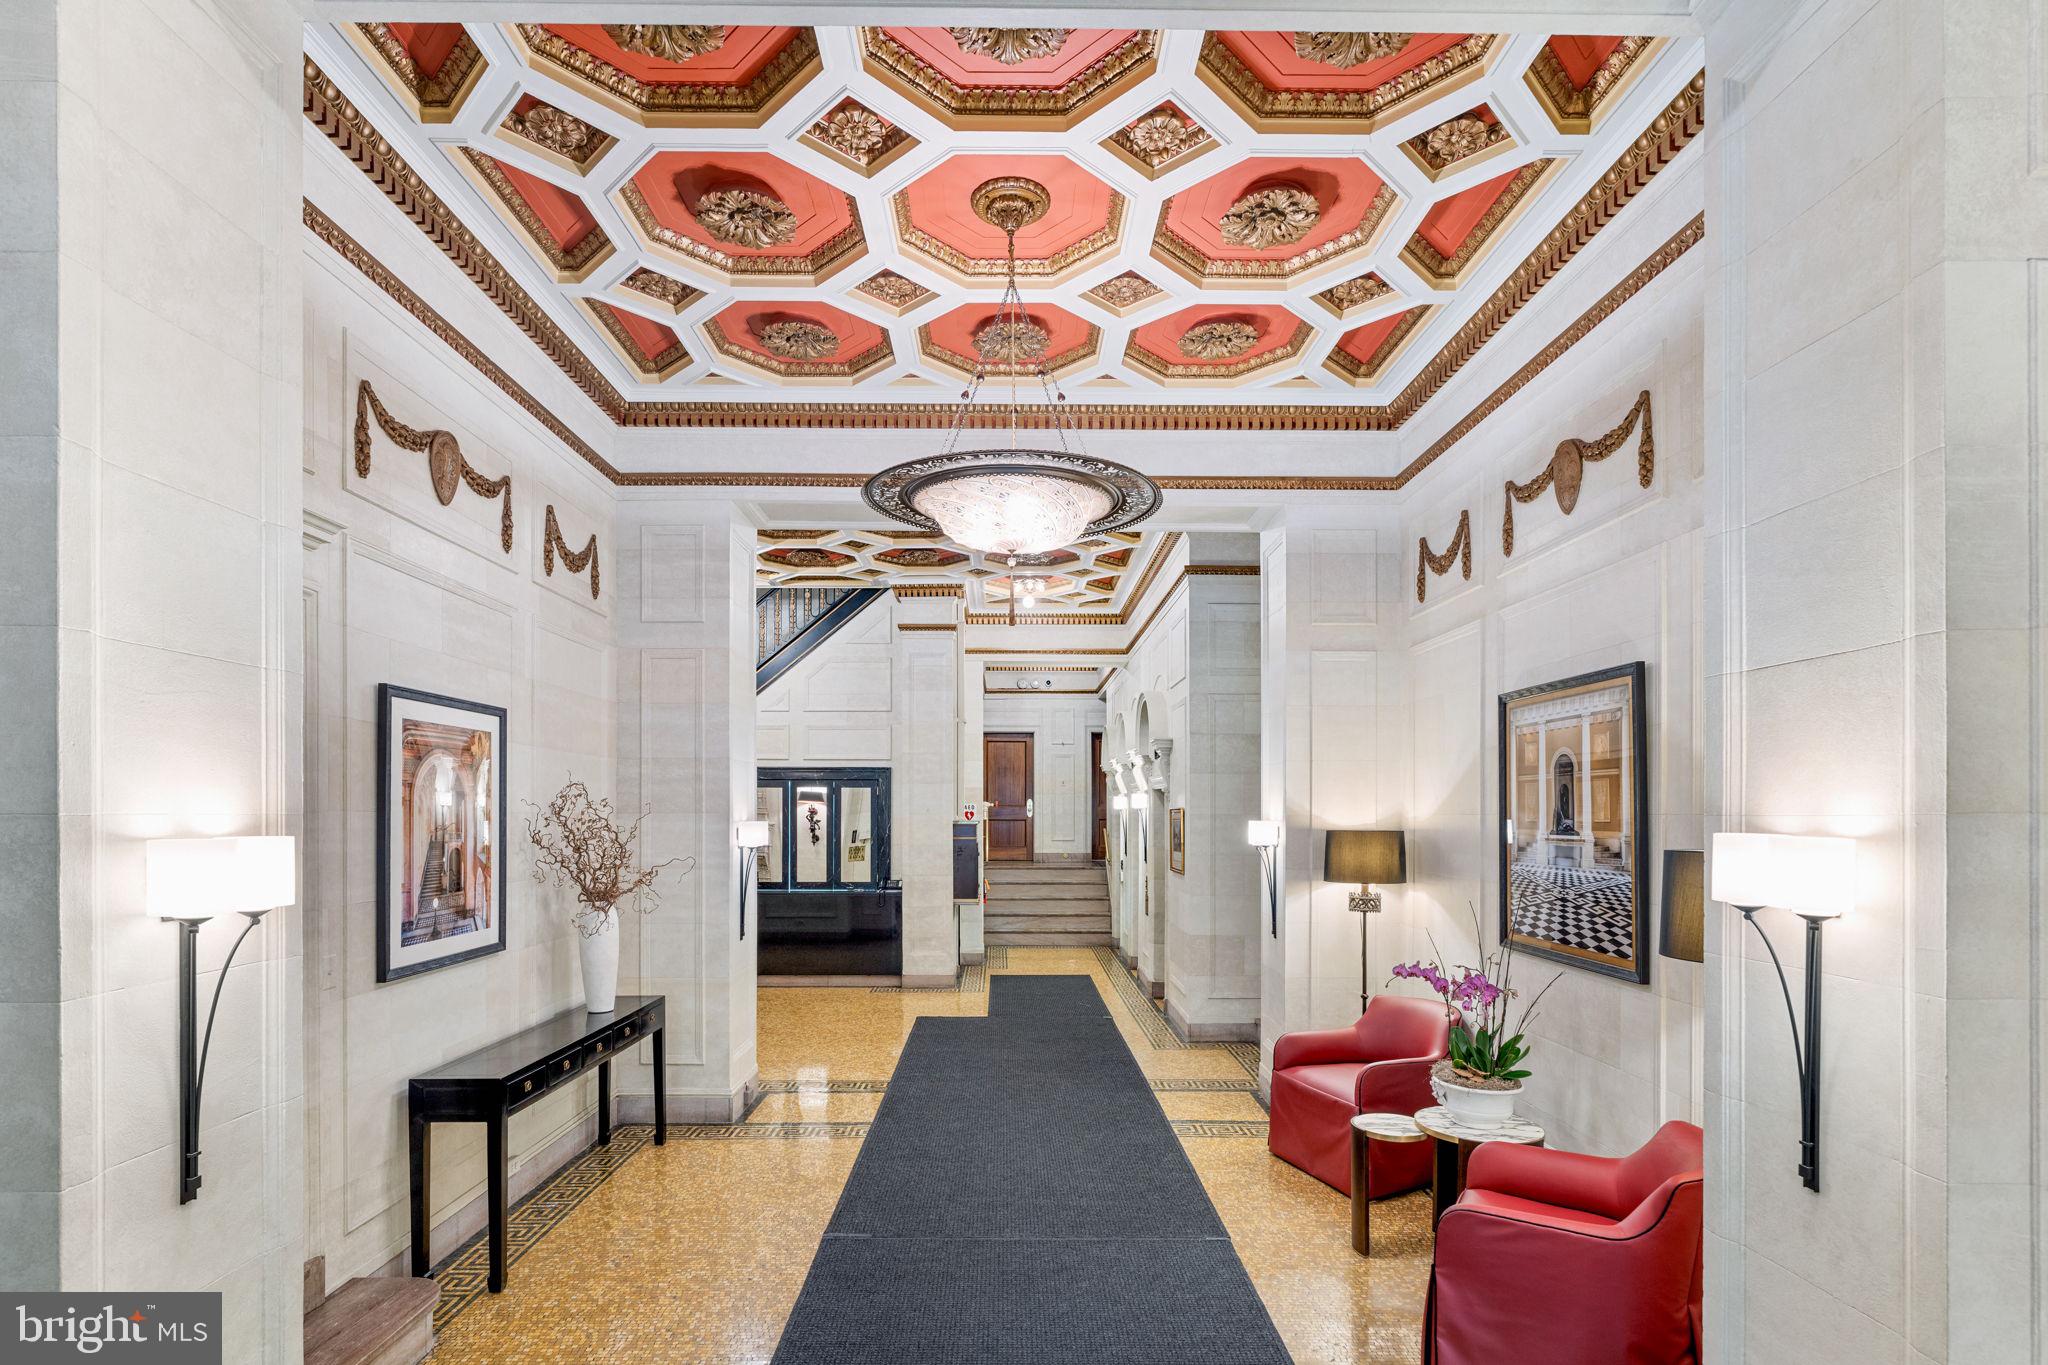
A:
x: 1098, y: 805
x: 1006, y: 782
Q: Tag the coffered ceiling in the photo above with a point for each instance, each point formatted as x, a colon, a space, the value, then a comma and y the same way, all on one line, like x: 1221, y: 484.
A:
x: 751, y: 215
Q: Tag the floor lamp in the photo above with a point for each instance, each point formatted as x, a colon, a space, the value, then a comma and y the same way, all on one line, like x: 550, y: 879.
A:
x: 1365, y: 858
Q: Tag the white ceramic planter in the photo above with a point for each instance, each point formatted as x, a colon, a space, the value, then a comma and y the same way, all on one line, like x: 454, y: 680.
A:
x: 601, y: 966
x: 1475, y: 1108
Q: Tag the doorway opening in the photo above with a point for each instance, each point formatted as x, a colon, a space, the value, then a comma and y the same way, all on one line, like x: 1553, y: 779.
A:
x: 1006, y: 782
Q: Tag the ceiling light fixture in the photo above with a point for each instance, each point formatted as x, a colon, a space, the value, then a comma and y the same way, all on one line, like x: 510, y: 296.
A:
x: 1017, y: 501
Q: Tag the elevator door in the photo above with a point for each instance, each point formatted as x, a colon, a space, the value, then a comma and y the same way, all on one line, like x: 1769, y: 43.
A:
x: 1006, y: 780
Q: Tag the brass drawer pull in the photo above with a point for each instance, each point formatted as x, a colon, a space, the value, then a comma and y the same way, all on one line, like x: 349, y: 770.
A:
x: 528, y: 1087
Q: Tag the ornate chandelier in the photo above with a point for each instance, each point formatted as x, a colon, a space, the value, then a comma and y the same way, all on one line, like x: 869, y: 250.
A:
x: 1017, y: 501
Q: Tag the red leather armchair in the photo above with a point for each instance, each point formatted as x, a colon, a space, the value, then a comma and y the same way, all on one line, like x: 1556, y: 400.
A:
x: 1554, y: 1258
x: 1380, y: 1065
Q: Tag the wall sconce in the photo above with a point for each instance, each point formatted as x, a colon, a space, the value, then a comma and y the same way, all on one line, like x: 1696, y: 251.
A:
x: 1119, y: 803
x: 1140, y: 799
x: 750, y: 837
x: 1264, y: 835
x: 1684, y: 919
x: 1814, y: 878
x: 191, y: 881
x: 1366, y: 858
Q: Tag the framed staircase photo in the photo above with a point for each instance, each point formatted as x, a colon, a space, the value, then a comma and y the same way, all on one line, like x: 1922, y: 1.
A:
x: 440, y: 831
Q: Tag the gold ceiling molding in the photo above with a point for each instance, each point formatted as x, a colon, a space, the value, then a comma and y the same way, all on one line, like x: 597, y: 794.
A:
x: 957, y: 105
x: 667, y: 104
x: 1160, y: 141
x: 1444, y: 272
x: 1119, y: 617
x: 1455, y: 139
x: 1011, y: 46
x: 1175, y: 371
x: 662, y: 288
x: 1346, y: 50
x: 857, y: 137
x: 971, y: 268
x: 557, y: 135
x: 1573, y: 108
x: 1459, y: 552
x: 1122, y: 294
x: 1199, y: 267
x: 927, y: 625
x: 668, y: 42
x: 897, y: 293
x: 731, y: 213
x: 1357, y: 111
x: 652, y: 368
x: 1567, y: 468
x: 574, y: 561
x: 448, y: 468
x: 1631, y: 284
x: 436, y: 98
x: 929, y: 589
x: 1041, y: 668
x: 986, y: 649
x: 1369, y: 370
x: 569, y: 264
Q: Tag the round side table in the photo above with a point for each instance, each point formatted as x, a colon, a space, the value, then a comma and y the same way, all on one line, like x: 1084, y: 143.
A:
x: 1454, y: 1143
x: 1365, y: 1129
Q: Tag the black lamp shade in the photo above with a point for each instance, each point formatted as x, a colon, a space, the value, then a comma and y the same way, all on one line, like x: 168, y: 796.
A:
x: 1685, y: 910
x: 1365, y: 857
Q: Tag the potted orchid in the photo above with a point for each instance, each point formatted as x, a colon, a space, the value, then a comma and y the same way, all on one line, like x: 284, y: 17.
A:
x: 1482, y: 1076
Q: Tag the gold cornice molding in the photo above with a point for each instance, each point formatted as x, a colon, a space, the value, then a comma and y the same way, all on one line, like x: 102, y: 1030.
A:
x: 927, y: 625
x: 929, y: 589
x: 1459, y: 551
x: 680, y: 104
x: 1359, y: 111
x: 959, y: 106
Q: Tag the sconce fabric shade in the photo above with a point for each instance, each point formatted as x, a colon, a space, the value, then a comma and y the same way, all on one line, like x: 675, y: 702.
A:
x: 1120, y: 802
x: 1685, y: 908
x: 195, y: 879
x: 1140, y: 799
x: 750, y: 834
x: 1365, y: 857
x: 1811, y: 875
x: 1262, y: 833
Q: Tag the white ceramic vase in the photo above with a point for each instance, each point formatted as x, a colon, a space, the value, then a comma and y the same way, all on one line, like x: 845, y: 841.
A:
x: 601, y: 965
x: 1475, y: 1108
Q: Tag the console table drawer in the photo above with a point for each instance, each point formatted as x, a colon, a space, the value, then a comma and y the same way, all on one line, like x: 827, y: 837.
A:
x: 526, y: 1085
x: 564, y: 1068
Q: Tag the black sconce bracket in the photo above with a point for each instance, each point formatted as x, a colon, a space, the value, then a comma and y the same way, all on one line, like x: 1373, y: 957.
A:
x: 192, y: 1047
x: 1805, y: 1044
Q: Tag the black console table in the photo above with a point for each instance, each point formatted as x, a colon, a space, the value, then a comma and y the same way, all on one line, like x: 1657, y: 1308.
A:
x: 493, y: 1083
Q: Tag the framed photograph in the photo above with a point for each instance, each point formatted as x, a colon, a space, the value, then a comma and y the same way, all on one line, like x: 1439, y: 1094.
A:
x: 1575, y: 819
x: 440, y: 831
x: 1177, y: 839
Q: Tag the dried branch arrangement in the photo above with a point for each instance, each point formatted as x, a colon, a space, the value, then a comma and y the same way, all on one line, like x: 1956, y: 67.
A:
x: 578, y: 842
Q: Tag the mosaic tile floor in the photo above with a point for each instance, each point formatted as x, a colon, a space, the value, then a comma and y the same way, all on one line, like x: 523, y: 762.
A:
x: 694, y: 1252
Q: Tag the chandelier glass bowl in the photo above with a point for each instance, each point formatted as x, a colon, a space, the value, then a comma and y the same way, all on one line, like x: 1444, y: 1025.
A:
x: 1015, y: 500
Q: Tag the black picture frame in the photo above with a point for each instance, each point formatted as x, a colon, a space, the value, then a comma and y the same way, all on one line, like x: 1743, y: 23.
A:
x: 1636, y: 966
x: 390, y: 697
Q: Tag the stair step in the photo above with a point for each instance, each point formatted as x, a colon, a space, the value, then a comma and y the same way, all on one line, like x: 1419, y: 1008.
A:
x: 1007, y: 939
x: 1046, y: 872
x: 1047, y: 891
x: 1017, y: 924
x: 1097, y: 906
x: 373, y: 1320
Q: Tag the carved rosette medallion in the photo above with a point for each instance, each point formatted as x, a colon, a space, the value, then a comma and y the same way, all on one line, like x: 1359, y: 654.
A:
x: 896, y: 290
x: 1279, y: 215
x: 1226, y: 339
x: 746, y: 218
x: 1125, y: 290
x: 1346, y: 50
x: 1011, y: 341
x: 1162, y: 135
x: 1011, y: 45
x: 1353, y: 293
x: 656, y: 285
x: 1458, y: 139
x: 551, y: 128
x: 799, y: 339
x: 668, y: 42
x: 852, y: 131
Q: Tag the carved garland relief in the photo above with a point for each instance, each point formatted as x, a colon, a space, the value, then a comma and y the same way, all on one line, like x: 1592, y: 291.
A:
x: 446, y: 465
x: 1566, y: 471
x: 575, y: 561
x: 1459, y: 551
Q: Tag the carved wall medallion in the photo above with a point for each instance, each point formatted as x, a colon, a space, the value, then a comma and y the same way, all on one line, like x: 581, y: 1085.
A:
x: 1467, y: 135
x: 1124, y: 290
x: 1226, y: 339
x: 446, y: 466
x: 1458, y: 551
x: 1011, y: 340
x: 1346, y: 50
x: 575, y: 561
x: 1279, y: 215
x: 746, y: 218
x: 799, y: 339
x: 1011, y: 45
x: 1566, y: 471
x: 668, y: 42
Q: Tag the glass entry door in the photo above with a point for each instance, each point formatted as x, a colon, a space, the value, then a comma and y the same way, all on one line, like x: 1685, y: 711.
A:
x: 835, y: 835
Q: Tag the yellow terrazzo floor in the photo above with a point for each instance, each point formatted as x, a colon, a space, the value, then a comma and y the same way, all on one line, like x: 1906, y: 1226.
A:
x: 694, y: 1251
